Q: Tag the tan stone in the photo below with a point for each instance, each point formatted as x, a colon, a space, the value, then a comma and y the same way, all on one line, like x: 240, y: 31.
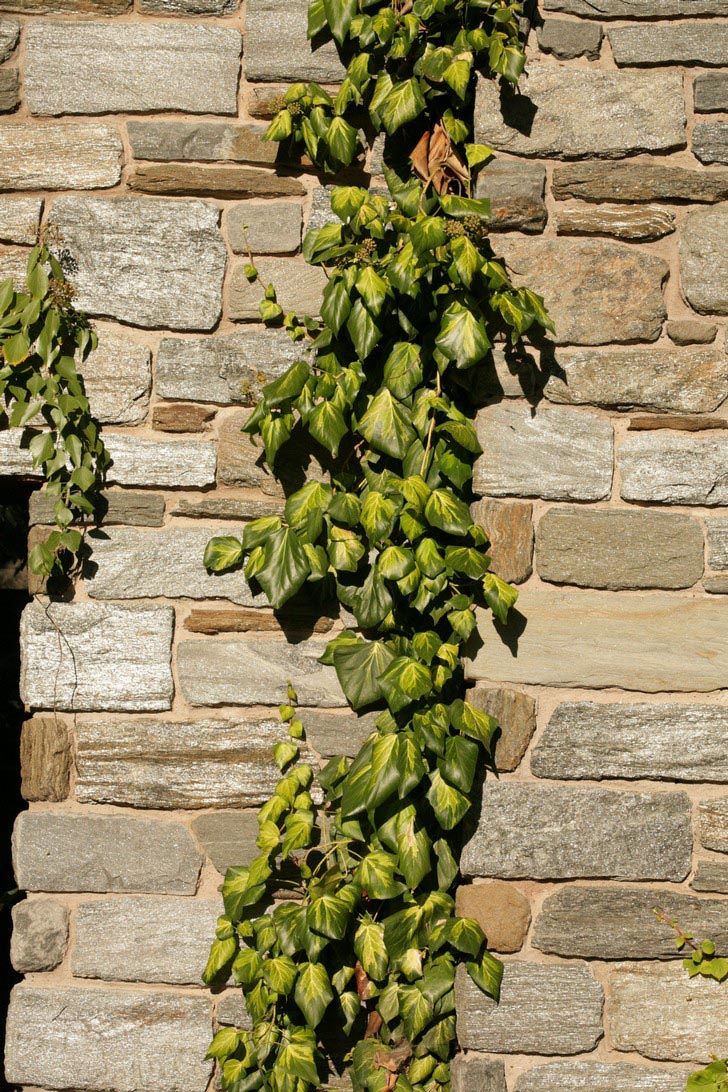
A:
x: 66, y: 7
x: 691, y: 332
x: 638, y: 181
x: 299, y: 287
x: 516, y: 716
x: 229, y: 620
x: 621, y: 221
x: 677, y: 422
x: 45, y: 759
x: 182, y: 417
x: 75, y: 155
x: 510, y: 529
x: 174, y: 179
x: 713, y: 824
x: 225, y: 507
x: 240, y: 460
x: 9, y: 95
x: 262, y: 100
x: 501, y: 911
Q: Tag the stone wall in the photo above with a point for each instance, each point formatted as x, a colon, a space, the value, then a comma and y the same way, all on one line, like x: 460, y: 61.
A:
x: 136, y: 130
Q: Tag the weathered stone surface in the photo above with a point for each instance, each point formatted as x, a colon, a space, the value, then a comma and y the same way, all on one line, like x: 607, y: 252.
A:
x: 648, y: 423
x: 640, y: 181
x: 516, y: 194
x: 235, y: 620
x: 613, y: 548
x: 711, y: 876
x: 717, y: 527
x: 240, y: 672
x: 230, y: 368
x: 570, y: 113
x: 202, y: 141
x: 510, y: 530
x: 239, y: 457
x: 516, y: 716
x: 567, y: 39
x: 182, y: 417
x: 9, y: 89
x: 550, y: 452
x: 137, y: 509
x: 713, y: 824
x: 704, y: 260
x: 131, y: 1040
x: 94, y: 68
x: 189, y: 7
x: 337, y: 733
x: 596, y: 292
x: 53, y: 851
x: 635, y: 224
x: 689, y: 43
x: 118, y: 379
x: 45, y: 759
x: 662, y: 1014
x: 638, y: 9
x: 150, y: 263
x: 650, y: 642
x: 716, y: 584
x: 170, y: 464
x: 9, y: 34
x: 231, y: 1010
x: 235, y: 508
x: 503, y: 913
x: 262, y: 99
x: 223, y: 181
x: 600, y: 1077
x: 299, y: 288
x: 96, y: 656
x: 710, y: 91
x: 19, y: 219
x: 15, y: 458
x: 710, y: 141
x: 267, y: 227
x: 173, y: 764
x: 674, y: 468
x: 40, y: 935
x: 227, y: 837
x: 543, y: 1010
x: 619, y: 923
x: 573, y: 833
x: 691, y: 332
x: 144, y: 938
x: 595, y: 740
x: 276, y: 47
x: 474, y: 1073
x: 67, y: 7
x: 59, y: 155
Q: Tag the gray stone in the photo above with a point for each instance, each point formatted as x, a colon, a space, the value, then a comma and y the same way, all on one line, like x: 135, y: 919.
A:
x: 91, y: 1039
x: 543, y: 1010
x: 95, y: 68
x: 638, y: 9
x: 661, y: 1013
x: 170, y: 464
x: 570, y: 113
x: 596, y: 291
x: 19, y: 218
x: 137, y: 509
x: 239, y: 672
x: 231, y: 1011
x: 221, y: 180
x: 710, y: 141
x: 691, y: 332
x: 614, y: 549
x: 202, y: 141
x: 674, y: 468
x: 54, y: 155
x: 650, y: 642
x: 711, y: 876
x: 230, y: 368
x: 704, y: 260
x: 599, y: 923
x: 516, y: 194
x: 79, y: 656
x: 67, y: 7
x: 276, y: 46
x: 711, y: 91
x: 227, y: 837
x: 668, y: 741
x: 40, y: 935
x: 713, y: 824
x: 9, y: 34
x: 267, y: 227
x: 516, y: 716
x: 15, y: 458
x: 157, y: 263
x: 689, y: 43
x: 234, y: 508
x: 9, y: 90
x: 474, y: 1073
x: 550, y: 452
x: 337, y: 733
x: 299, y: 288
x: 567, y: 39
x: 143, y: 564
x: 579, y: 833
x: 717, y: 541
x: 642, y: 181
x: 118, y: 379
x: 716, y: 585
x: 634, y: 224
x: 600, y: 1077
x: 188, y: 7
x: 14, y: 264
x: 144, y: 938
x: 53, y: 851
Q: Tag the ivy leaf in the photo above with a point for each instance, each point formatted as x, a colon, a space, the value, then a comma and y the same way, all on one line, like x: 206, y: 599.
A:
x: 473, y: 722
x: 297, y: 1058
x: 499, y: 596
x: 279, y: 973
x: 16, y: 348
x: 378, y: 516
x: 446, y: 512
x: 403, y: 369
x: 403, y: 104
x: 447, y: 866
x: 221, y: 953
x: 387, y: 425
x: 416, y: 1011
x: 341, y: 137
x: 404, y: 681
x: 223, y: 553
x: 410, y: 765
x: 487, y: 974
x: 460, y: 763
x: 457, y: 76
x: 466, y: 259
x: 414, y: 853
x: 476, y: 154
x: 225, y: 1043
x: 288, y: 385
x: 329, y: 916
x: 347, y: 200
x: 371, y: 950
x: 448, y: 804
x: 351, y: 1008
x: 285, y: 567
x: 359, y: 665
x: 372, y: 288
x: 363, y: 330
x: 327, y: 425
x: 313, y: 992
x: 339, y: 14
x: 428, y: 233
x: 375, y: 875
x: 462, y: 337
x: 336, y: 305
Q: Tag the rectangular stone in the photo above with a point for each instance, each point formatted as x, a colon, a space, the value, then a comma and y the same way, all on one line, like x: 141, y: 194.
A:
x: 638, y: 9
x: 543, y: 1010
x: 641, y: 181
x: 713, y: 824
x: 95, y: 68
x: 688, y: 43
x: 40, y: 935
x: 233, y: 508
x: 509, y: 526
x: 9, y: 35
x: 225, y: 182
x: 55, y: 851
x: 567, y: 39
x: 640, y: 223
x: 674, y: 468
x: 171, y: 464
x: 227, y: 837
x: 201, y: 141
x: 67, y: 7
x: 59, y: 155
x: 600, y: 1077
x: 276, y: 46
x: 549, y: 452
x: 516, y: 194
x: 717, y: 527
x: 710, y: 141
x: 19, y: 218
x: 668, y: 741
x: 299, y: 288
x: 711, y: 876
x: 649, y: 642
x: 15, y: 458
x: 475, y: 1073
x: 91, y: 1039
x: 704, y: 260
x: 189, y: 7
x: 267, y: 227
x: 616, y: 549
x: 579, y: 833
x: 117, y: 376
x: 710, y: 91
x: 9, y: 90
x: 182, y: 417
x: 137, y: 509
x: 78, y: 656
x: 516, y: 716
x: 45, y: 759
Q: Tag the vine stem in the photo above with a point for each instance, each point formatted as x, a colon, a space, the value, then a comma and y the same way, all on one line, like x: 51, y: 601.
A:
x: 430, y: 430
x: 662, y: 916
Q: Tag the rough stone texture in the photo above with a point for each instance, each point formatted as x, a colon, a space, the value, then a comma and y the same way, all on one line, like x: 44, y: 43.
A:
x: 40, y: 935
x: 239, y: 457
x: 338, y: 733
x: 502, y: 912
x: 9, y: 34
x: 9, y: 89
x: 266, y: 228
x: 182, y: 417
x: 670, y: 741
x: 202, y: 141
x: 611, y: 292
x: 621, y: 221
x: 225, y: 182
x: 691, y: 332
x: 599, y: 923
x: 710, y: 91
x: 188, y: 7
x: 62, y: 852
x: 45, y: 759
x: 227, y: 837
x: 96, y: 656
x: 713, y: 824
x: 579, y: 833
x: 95, y: 68
x: 234, y: 508
x: 640, y: 181
x: 19, y: 219
x: 231, y: 1011
x: 138, y: 509
x: 600, y: 1077
x: 59, y: 155
x: 551, y: 452
x: 226, y: 369
x: 474, y: 1073
x: 15, y: 458
x: 240, y: 672
x: 167, y: 464
x: 299, y: 288
x: 689, y: 43
x: 608, y: 548
x: 139, y: 1041
x: 147, y: 262
x: 144, y: 938
x: 716, y: 585
x: 710, y: 141
x: 67, y: 7
x: 118, y: 379
x: 683, y: 423
x: 516, y: 716
x: 567, y: 39
x: 276, y: 47
x: 662, y: 1014
x: 674, y: 468
x: 567, y: 113
x: 638, y: 9
x: 704, y: 260
x: 510, y: 529
x: 717, y: 527
x: 516, y: 195
x: 649, y: 642
x: 543, y: 1010
x: 711, y: 876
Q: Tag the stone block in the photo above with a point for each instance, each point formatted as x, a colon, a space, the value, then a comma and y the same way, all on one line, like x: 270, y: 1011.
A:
x: 717, y: 527
x: 232, y: 508
x: 51, y: 155
x: 600, y: 1077
x: 240, y: 457
x: 638, y: 9
x: 716, y: 584
x: 19, y: 218
x: 550, y: 452
x: 15, y: 458
x: 710, y: 141
x: 337, y: 733
x: 122, y: 506
x: 267, y: 227
x: 501, y: 911
x: 516, y: 716
x: 9, y: 34
x: 577, y: 833
x: 221, y: 181
x: 710, y: 91
x: 95, y: 68
x: 567, y: 39
x: 67, y: 7
x: 182, y: 417
x: 45, y: 759
x: 201, y: 141
x: 128, y: 1040
x: 509, y: 525
x: 189, y: 7
x: 648, y: 422
x: 40, y: 935
x: 276, y: 46
x: 571, y: 113
x: 704, y: 260
x: 475, y: 1073
x: 78, y: 656
x: 634, y: 224
x: 701, y: 43
x: 154, y: 263
x: 668, y: 741
x: 118, y: 379
x: 642, y: 181
x: 516, y: 194
x: 711, y: 876
x: 54, y: 851
x: 674, y: 468
x: 9, y: 90
x: 166, y: 464
x: 231, y: 1011
x: 227, y: 837
x: 713, y: 824
x: 691, y: 332
x: 299, y: 288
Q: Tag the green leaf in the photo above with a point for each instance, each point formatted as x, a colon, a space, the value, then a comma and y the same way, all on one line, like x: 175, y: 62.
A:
x: 403, y: 369
x: 280, y: 128
x: 345, y: 550
x: 329, y: 916
x: 448, y: 804
x: 416, y: 1011
x: 387, y: 425
x: 378, y: 516
x: 347, y: 200
x: 487, y: 974
x: 447, y: 866
x: 297, y: 1057
x: 446, y: 512
x: 372, y: 289
x: 414, y: 853
x: 375, y: 875
x: 457, y: 76
x: 279, y: 973
x: 462, y: 338
x: 16, y: 348
x: 404, y: 681
x: 285, y: 567
x: 225, y: 1043
x: 221, y: 953
x: 327, y: 425
x: 223, y: 553
x: 288, y: 385
x: 476, y: 154
x: 428, y: 233
x: 473, y: 722
x: 341, y: 137
x: 410, y: 765
x: 460, y: 762
x: 499, y: 596
x: 336, y: 304
x: 466, y: 259
x: 259, y: 531
x: 313, y: 992
x: 371, y: 950
x: 358, y: 665
x: 339, y: 14
x: 363, y: 330
x: 403, y: 104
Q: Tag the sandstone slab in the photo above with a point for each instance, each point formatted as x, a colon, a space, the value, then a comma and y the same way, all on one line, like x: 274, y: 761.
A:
x: 59, y: 155
x: 182, y: 417
x: 509, y: 525
x: 337, y: 733
x: 240, y: 457
x: 710, y: 141
x: 67, y: 7
x: 299, y: 288
x: 118, y: 379
x: 516, y: 716
x: 232, y: 508
x: 634, y: 224
x: 704, y: 260
x: 45, y: 759
x: 638, y: 9
x: 674, y: 468
x: 227, y: 837
x: 40, y: 935
x: 276, y: 46
x: 476, y: 1073
x: 267, y: 227
x: 201, y: 141
x: 711, y: 876
x: 9, y: 34
x: 96, y: 656
x: 20, y: 219
x: 9, y: 90
x: 713, y: 824
x: 600, y: 1077
x: 167, y: 464
x: 122, y: 506
x: 516, y: 194
x: 566, y: 39
x: 710, y: 91
x: 700, y: 43
x: 501, y: 911
x: 222, y: 181
x: 645, y: 180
